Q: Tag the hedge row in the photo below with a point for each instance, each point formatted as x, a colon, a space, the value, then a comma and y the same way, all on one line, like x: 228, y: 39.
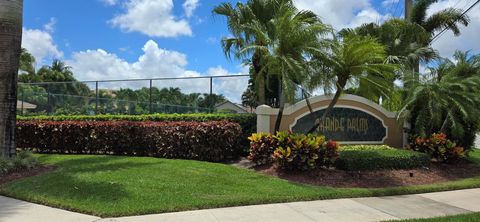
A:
x: 374, y: 157
x: 248, y: 122
x: 209, y: 141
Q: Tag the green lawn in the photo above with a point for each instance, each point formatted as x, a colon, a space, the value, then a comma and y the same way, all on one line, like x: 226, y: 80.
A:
x: 475, y: 217
x: 118, y: 186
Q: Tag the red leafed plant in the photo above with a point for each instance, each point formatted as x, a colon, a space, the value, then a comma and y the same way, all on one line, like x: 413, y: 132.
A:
x: 211, y: 141
x: 439, y: 147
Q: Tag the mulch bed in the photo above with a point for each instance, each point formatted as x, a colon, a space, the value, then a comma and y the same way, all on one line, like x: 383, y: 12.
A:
x: 19, y: 174
x: 436, y: 173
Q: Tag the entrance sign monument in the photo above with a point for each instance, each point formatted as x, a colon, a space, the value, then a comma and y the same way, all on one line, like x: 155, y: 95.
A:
x: 354, y: 120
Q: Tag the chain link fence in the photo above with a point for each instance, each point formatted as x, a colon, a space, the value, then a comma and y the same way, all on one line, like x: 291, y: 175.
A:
x: 139, y: 96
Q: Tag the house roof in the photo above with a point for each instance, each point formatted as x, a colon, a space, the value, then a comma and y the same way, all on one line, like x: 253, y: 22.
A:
x: 25, y: 105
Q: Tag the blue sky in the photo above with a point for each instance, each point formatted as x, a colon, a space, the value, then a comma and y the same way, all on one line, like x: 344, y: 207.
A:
x: 116, y: 39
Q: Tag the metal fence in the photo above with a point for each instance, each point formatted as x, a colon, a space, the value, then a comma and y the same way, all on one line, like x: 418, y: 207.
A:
x: 132, y: 96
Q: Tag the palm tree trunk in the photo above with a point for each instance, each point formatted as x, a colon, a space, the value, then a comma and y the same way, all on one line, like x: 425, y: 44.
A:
x: 10, y: 50
x: 340, y: 86
x: 280, y: 110
x: 260, y: 83
x: 261, y: 90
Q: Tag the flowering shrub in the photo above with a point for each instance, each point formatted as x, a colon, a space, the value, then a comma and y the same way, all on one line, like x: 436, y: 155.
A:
x: 293, y: 151
x: 439, y: 147
x: 211, y: 141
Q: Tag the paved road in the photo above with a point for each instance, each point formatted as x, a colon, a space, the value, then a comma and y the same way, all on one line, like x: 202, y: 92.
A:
x: 357, y: 209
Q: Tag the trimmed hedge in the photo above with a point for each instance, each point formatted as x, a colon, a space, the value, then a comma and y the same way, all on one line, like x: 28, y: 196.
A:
x: 376, y: 157
x: 248, y: 122
x: 209, y: 141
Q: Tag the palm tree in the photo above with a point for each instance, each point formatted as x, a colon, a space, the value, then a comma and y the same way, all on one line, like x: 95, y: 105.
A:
x: 288, y: 42
x: 260, y: 13
x: 355, y: 60
x: 447, y: 100
x: 10, y: 50
x: 448, y: 18
x: 27, y: 62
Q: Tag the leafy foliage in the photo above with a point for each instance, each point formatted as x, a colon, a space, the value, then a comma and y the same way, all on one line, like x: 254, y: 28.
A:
x: 447, y: 100
x: 375, y: 157
x: 23, y: 160
x: 210, y: 141
x: 247, y: 122
x: 293, y: 151
x: 438, y: 147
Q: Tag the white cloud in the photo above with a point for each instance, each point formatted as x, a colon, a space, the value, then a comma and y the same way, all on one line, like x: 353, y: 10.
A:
x: 342, y: 13
x: 468, y: 40
x: 151, y: 17
x: 189, y: 6
x: 155, y: 62
x: 41, y: 45
x: 50, y: 26
x: 110, y: 2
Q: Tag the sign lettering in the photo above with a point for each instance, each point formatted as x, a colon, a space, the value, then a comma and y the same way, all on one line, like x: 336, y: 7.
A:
x: 343, y: 124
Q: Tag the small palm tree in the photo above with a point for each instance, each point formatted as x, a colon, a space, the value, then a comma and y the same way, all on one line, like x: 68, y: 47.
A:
x: 355, y: 60
x: 447, y: 99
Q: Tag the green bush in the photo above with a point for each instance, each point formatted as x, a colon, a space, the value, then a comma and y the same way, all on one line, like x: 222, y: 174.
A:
x: 293, y: 151
x: 214, y: 141
x: 379, y: 157
x: 23, y: 160
x: 248, y: 122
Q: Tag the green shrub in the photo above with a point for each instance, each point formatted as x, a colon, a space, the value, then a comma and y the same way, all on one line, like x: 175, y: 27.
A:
x: 438, y: 147
x: 379, y: 157
x: 5, y: 165
x: 210, y: 141
x: 248, y: 122
x: 23, y: 160
x: 292, y: 151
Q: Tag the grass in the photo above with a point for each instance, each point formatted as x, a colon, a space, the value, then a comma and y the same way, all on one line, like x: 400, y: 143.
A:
x: 474, y: 217
x: 111, y: 186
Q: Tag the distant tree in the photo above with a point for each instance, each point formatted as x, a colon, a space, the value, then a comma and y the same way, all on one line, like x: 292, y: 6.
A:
x: 27, y: 62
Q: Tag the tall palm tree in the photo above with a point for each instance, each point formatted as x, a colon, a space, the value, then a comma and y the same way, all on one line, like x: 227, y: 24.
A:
x: 354, y: 60
x: 288, y: 42
x: 10, y: 50
x: 447, y: 100
x: 448, y: 18
x: 260, y: 12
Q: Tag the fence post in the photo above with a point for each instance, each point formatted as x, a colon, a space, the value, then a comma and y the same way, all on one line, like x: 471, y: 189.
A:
x: 150, y: 96
x: 211, y: 95
x: 50, y: 107
x: 96, y: 98
x: 23, y: 99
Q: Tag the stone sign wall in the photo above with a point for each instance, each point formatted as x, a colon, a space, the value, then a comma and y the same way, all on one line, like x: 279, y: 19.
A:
x: 354, y: 120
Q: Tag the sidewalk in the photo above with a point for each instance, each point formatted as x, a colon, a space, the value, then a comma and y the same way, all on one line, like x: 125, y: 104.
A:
x: 356, y: 209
